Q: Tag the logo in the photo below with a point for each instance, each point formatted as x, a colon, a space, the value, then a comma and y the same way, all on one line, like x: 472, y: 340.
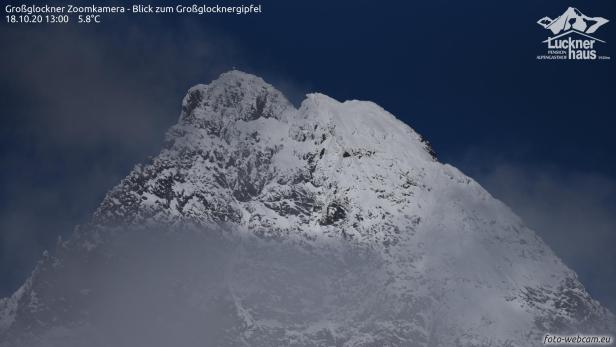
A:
x: 573, y: 36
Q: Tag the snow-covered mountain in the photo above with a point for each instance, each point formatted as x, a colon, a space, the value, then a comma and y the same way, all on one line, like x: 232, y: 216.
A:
x: 260, y: 224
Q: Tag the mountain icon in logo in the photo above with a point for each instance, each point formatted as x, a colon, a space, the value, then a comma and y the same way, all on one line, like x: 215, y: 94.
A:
x: 572, y: 19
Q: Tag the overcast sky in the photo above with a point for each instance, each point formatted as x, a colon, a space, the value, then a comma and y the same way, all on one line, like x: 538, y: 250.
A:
x: 82, y: 104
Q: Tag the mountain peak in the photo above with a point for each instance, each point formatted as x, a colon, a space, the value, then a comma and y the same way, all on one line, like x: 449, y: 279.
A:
x: 236, y: 79
x: 235, y: 74
x: 234, y: 96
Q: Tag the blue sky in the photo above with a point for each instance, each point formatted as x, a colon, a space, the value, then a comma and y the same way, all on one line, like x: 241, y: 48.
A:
x: 82, y: 104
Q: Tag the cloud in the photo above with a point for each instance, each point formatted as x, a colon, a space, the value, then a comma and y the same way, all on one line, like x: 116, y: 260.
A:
x: 82, y: 87
x: 574, y: 213
x: 239, y: 291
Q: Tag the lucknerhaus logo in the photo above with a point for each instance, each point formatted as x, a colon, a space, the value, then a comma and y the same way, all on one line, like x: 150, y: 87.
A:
x: 573, y: 37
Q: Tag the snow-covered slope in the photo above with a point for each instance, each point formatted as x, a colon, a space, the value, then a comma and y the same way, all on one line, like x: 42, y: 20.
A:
x: 368, y: 239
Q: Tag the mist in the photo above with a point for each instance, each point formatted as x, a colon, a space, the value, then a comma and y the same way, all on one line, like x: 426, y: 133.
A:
x: 573, y: 211
x: 196, y: 287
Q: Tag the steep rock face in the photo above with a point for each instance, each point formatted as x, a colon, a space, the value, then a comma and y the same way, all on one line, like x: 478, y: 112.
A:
x: 450, y: 265
x: 308, y: 171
